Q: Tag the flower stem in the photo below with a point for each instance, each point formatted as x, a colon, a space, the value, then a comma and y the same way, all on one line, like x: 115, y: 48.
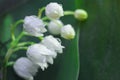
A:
x: 68, y: 13
x: 15, y: 42
x: 9, y: 53
x: 4, y: 70
x: 10, y: 63
x: 24, y: 44
x: 40, y: 12
x: 41, y: 38
x: 13, y: 28
x: 20, y: 48
x: 45, y: 18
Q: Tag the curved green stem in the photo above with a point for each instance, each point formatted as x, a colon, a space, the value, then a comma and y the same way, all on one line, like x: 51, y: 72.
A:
x: 68, y: 12
x: 10, y: 63
x: 13, y: 28
x: 14, y: 43
x: 45, y: 18
x: 9, y: 53
x: 40, y: 12
x: 40, y: 38
x: 4, y: 70
x: 25, y: 43
x: 20, y: 48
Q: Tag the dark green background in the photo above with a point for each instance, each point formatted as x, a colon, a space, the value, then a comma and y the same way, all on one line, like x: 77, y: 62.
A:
x: 100, y: 41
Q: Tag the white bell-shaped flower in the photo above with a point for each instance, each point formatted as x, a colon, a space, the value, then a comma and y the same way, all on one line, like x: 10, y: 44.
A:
x: 54, y: 10
x: 34, y: 26
x: 54, y: 27
x: 25, y: 68
x: 53, y: 43
x: 40, y: 55
x: 67, y: 32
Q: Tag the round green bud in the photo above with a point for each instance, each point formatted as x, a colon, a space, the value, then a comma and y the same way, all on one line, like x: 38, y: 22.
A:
x: 80, y: 14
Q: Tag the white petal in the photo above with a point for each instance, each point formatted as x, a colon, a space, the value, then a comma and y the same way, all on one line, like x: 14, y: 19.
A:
x: 52, y: 43
x: 67, y: 32
x: 50, y: 59
x: 34, y: 26
x: 25, y: 68
x: 31, y: 78
x: 54, y: 27
x: 43, y: 65
x: 38, y: 53
x: 54, y: 10
x: 35, y: 56
x: 40, y: 49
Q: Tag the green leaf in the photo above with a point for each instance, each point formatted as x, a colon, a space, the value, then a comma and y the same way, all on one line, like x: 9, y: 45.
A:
x: 100, y: 41
x: 69, y: 65
x: 5, y: 30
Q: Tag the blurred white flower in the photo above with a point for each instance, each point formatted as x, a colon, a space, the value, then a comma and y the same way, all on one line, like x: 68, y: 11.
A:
x: 53, y: 43
x: 34, y: 26
x: 80, y: 14
x: 40, y: 55
x: 54, y: 10
x: 67, y: 32
x: 25, y: 68
x: 55, y: 26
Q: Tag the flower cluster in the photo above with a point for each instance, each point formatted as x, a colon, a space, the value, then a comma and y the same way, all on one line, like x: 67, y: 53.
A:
x: 38, y: 55
x: 44, y: 52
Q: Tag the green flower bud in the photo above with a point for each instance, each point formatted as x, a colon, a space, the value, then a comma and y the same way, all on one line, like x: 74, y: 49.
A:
x: 80, y: 14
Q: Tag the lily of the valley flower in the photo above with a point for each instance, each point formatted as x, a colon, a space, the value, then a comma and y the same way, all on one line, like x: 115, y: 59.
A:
x: 67, y: 32
x: 34, y: 26
x: 54, y: 10
x: 53, y: 44
x: 25, y: 68
x: 55, y: 26
x: 40, y: 55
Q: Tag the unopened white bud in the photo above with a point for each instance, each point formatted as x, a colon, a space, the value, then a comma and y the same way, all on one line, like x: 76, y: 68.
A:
x: 67, y: 32
x: 54, y: 27
x: 40, y: 55
x: 54, y: 10
x: 53, y: 44
x: 80, y: 14
x: 34, y: 26
x: 25, y: 68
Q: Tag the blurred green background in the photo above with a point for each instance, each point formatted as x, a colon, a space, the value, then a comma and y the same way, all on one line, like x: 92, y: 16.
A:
x: 99, y: 39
